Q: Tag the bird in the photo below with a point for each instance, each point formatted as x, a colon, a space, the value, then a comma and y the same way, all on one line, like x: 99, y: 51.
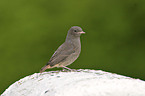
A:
x: 68, y: 52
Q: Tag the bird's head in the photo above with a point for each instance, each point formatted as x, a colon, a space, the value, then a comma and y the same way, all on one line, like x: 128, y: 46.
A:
x: 75, y: 31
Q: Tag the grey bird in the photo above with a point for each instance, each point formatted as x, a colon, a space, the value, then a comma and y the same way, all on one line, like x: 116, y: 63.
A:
x: 68, y: 52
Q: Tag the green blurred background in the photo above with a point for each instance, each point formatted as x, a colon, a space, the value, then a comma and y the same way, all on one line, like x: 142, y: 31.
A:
x: 31, y: 31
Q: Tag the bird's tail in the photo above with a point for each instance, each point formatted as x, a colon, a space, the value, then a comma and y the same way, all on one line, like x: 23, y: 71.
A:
x: 45, y: 67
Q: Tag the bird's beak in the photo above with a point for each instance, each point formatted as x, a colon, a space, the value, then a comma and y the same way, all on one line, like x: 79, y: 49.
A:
x: 82, y: 32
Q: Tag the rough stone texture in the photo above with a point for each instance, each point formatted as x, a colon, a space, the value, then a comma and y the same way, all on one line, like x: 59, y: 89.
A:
x: 81, y: 83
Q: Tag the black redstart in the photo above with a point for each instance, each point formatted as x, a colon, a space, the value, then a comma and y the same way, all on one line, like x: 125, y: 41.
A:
x: 68, y: 52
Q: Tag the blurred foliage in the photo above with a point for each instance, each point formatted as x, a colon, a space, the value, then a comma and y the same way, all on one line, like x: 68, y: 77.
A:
x: 31, y: 31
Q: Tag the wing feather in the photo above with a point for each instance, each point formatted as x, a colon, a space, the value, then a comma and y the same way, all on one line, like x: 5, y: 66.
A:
x: 61, y: 54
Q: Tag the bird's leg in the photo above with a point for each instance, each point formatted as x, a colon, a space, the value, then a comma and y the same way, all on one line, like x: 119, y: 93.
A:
x: 72, y: 70
x: 67, y: 68
x: 63, y: 69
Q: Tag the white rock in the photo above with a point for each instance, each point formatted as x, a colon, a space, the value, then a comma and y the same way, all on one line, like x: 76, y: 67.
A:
x: 82, y: 83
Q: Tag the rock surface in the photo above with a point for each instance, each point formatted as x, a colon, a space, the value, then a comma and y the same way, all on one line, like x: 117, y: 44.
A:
x: 81, y: 83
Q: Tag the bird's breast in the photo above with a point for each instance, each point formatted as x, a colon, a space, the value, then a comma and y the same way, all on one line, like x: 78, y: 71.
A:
x: 73, y: 56
x: 75, y: 45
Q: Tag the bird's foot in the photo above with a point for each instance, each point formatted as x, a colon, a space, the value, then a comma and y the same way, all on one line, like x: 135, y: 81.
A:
x: 66, y: 69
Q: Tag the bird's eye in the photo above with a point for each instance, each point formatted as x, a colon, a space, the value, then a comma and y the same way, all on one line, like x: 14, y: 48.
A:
x: 75, y: 30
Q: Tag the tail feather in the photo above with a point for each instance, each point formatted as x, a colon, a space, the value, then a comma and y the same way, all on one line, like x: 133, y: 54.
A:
x: 44, y: 68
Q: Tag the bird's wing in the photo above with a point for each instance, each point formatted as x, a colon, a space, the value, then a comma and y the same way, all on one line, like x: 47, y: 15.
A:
x: 61, y: 54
